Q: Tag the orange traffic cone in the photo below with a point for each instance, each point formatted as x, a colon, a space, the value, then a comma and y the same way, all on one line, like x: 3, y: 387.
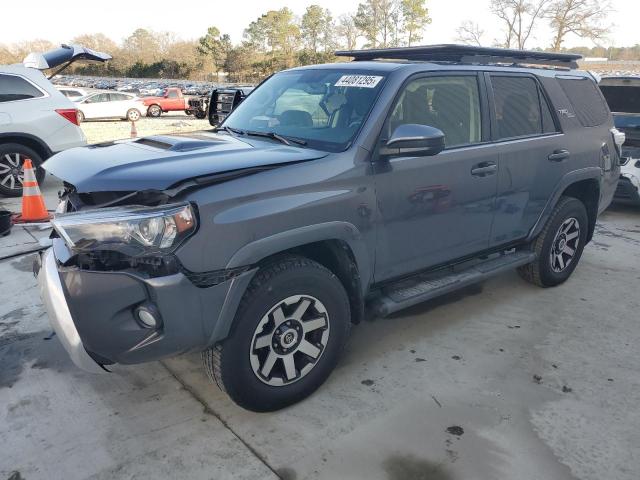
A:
x: 134, y: 130
x: 33, y: 207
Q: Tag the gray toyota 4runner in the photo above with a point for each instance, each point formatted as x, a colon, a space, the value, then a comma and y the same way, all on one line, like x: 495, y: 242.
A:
x: 331, y: 194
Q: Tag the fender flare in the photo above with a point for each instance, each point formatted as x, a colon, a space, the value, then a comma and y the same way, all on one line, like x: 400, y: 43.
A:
x: 588, y: 173
x: 258, y: 250
x: 15, y: 137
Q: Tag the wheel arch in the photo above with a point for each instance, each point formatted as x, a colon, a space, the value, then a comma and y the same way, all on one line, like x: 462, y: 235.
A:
x: 30, y: 141
x: 338, y: 246
x: 588, y: 192
x: 583, y: 184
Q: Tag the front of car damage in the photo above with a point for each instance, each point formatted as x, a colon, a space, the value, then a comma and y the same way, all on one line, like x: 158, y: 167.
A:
x: 114, y: 283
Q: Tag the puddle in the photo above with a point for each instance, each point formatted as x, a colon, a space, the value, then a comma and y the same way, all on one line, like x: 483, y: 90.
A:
x: 22, y: 351
x: 405, y: 467
x: 25, y: 264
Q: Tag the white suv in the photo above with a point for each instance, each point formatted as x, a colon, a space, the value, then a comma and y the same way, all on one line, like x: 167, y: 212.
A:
x: 36, y: 120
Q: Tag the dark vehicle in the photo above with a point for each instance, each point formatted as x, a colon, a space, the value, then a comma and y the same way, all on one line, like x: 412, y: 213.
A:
x: 198, y: 107
x: 330, y: 194
x: 224, y: 100
x: 623, y: 96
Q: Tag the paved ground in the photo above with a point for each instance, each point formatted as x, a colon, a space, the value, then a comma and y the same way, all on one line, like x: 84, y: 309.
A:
x: 500, y: 381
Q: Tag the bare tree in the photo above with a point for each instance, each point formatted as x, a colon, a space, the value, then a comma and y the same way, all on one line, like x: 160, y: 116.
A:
x: 347, y: 31
x: 469, y: 33
x: 519, y: 18
x: 584, y: 18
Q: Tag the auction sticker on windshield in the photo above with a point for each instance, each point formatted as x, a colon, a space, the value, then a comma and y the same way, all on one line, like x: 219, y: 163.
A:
x: 363, y: 81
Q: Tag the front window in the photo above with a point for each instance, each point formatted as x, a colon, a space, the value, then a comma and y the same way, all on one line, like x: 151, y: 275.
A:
x: 324, y: 108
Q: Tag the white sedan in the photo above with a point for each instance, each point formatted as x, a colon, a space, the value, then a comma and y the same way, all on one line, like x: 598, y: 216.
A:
x: 109, y: 105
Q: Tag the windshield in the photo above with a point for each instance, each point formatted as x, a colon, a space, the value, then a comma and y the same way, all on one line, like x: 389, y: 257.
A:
x: 324, y: 108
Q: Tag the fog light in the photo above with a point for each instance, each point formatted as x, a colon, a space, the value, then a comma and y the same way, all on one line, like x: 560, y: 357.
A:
x: 147, y: 318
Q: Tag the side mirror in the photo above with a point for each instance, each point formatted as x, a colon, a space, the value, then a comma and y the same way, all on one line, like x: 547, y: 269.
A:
x: 414, y: 140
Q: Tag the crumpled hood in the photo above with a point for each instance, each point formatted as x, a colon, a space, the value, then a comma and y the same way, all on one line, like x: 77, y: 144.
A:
x: 160, y: 162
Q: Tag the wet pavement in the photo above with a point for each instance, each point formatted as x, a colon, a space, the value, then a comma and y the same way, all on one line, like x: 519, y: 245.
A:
x: 502, y: 380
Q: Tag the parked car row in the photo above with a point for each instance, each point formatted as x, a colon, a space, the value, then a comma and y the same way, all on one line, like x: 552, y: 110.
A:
x: 141, y: 87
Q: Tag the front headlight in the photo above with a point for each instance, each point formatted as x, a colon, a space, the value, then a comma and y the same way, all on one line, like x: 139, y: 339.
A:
x: 133, y: 231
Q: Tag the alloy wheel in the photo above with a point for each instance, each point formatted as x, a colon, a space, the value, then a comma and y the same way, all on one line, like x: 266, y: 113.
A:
x: 565, y: 245
x: 289, y: 340
x: 11, y: 174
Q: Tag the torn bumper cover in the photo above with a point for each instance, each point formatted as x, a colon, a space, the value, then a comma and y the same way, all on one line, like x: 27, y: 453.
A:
x: 59, y: 315
x: 96, y: 313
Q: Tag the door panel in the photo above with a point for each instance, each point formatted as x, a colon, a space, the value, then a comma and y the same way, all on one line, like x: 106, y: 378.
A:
x: 533, y: 154
x: 435, y: 209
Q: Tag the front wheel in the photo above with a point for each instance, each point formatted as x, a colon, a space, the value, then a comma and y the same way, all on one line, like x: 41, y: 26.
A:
x: 559, y: 246
x: 289, y: 331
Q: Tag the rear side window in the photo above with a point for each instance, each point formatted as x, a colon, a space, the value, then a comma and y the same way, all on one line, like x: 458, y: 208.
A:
x: 14, y: 88
x: 521, y: 109
x: 586, y: 100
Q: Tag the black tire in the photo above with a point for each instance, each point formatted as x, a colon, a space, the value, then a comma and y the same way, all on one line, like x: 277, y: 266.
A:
x: 201, y: 115
x: 229, y: 364
x: 544, y: 270
x: 8, y: 152
x: 154, y: 111
x: 80, y: 116
x: 133, y: 115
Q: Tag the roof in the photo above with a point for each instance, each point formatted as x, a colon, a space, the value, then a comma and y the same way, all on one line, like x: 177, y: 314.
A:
x: 464, y: 54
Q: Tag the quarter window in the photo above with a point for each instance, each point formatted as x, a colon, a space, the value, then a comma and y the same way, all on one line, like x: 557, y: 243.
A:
x: 449, y: 103
x: 14, y: 88
x: 587, y: 101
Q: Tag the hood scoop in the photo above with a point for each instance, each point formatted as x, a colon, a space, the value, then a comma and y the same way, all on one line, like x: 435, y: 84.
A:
x: 176, y: 144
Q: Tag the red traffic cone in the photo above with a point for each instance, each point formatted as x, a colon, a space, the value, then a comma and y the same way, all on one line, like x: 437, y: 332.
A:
x: 33, y: 207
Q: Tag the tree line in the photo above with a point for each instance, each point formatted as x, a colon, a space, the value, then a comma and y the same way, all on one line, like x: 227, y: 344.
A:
x: 278, y: 39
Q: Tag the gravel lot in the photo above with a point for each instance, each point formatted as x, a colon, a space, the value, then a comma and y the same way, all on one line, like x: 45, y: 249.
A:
x: 174, y: 122
x: 503, y: 380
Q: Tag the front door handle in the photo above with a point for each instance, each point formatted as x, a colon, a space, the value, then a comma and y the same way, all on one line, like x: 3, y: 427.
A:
x: 559, y: 155
x: 483, y: 169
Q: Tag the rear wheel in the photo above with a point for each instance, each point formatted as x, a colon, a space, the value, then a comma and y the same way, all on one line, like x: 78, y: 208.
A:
x: 80, y: 116
x: 289, y: 331
x: 154, y: 111
x: 560, y: 244
x: 12, y: 157
x: 133, y: 115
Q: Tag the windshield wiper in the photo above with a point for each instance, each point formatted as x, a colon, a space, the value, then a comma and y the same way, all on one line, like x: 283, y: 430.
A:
x: 231, y: 131
x: 276, y: 136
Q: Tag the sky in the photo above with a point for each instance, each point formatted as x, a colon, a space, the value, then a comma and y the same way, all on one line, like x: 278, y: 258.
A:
x: 59, y: 21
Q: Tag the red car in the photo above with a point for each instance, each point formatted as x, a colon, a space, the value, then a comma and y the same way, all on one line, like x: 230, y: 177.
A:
x: 171, y: 101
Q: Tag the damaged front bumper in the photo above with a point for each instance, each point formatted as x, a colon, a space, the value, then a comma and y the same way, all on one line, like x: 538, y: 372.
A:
x: 96, y: 313
x: 59, y: 315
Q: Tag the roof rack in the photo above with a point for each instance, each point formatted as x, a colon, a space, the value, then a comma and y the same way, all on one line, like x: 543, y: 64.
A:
x: 465, y: 54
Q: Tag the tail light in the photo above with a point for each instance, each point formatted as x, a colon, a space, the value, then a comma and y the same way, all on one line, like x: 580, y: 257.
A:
x: 70, y: 114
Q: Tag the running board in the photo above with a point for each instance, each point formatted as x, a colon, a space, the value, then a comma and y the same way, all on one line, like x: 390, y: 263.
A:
x: 421, y: 287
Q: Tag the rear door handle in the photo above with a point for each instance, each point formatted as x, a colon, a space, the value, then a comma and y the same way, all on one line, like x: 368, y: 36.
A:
x: 559, y: 155
x: 483, y: 169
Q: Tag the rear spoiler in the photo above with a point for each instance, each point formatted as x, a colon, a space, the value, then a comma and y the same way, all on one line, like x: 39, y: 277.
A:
x: 63, y: 56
